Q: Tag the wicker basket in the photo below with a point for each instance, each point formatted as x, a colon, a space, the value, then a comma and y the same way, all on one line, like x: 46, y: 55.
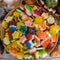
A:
x: 2, y: 33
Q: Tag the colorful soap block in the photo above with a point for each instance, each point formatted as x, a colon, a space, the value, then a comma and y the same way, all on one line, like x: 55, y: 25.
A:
x: 15, y: 35
x: 13, y: 51
x: 16, y: 14
x: 36, y: 13
x: 32, y: 51
x: 42, y: 35
x: 55, y: 53
x: 51, y: 20
x: 46, y: 41
x: 48, y: 34
x: 38, y: 20
x: 43, y: 26
x: 25, y: 17
x: 29, y: 45
x: 28, y: 13
x: 44, y: 15
x: 40, y: 53
x: 9, y: 18
x: 20, y: 55
x: 32, y: 30
x: 28, y: 7
x: 12, y: 28
x: 34, y: 8
x: 5, y: 24
x: 6, y: 41
x: 54, y: 29
x: 50, y: 45
x: 27, y: 57
x: 9, y: 33
x: 28, y: 23
x: 19, y: 24
x: 36, y: 26
x: 23, y: 29
x: 54, y: 38
x: 29, y: 36
x: 22, y: 39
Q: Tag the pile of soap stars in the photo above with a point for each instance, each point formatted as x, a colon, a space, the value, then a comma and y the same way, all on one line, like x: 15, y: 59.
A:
x: 30, y: 32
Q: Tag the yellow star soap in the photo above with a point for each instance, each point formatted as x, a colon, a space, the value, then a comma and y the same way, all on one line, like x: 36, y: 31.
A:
x: 38, y: 20
x: 15, y: 35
